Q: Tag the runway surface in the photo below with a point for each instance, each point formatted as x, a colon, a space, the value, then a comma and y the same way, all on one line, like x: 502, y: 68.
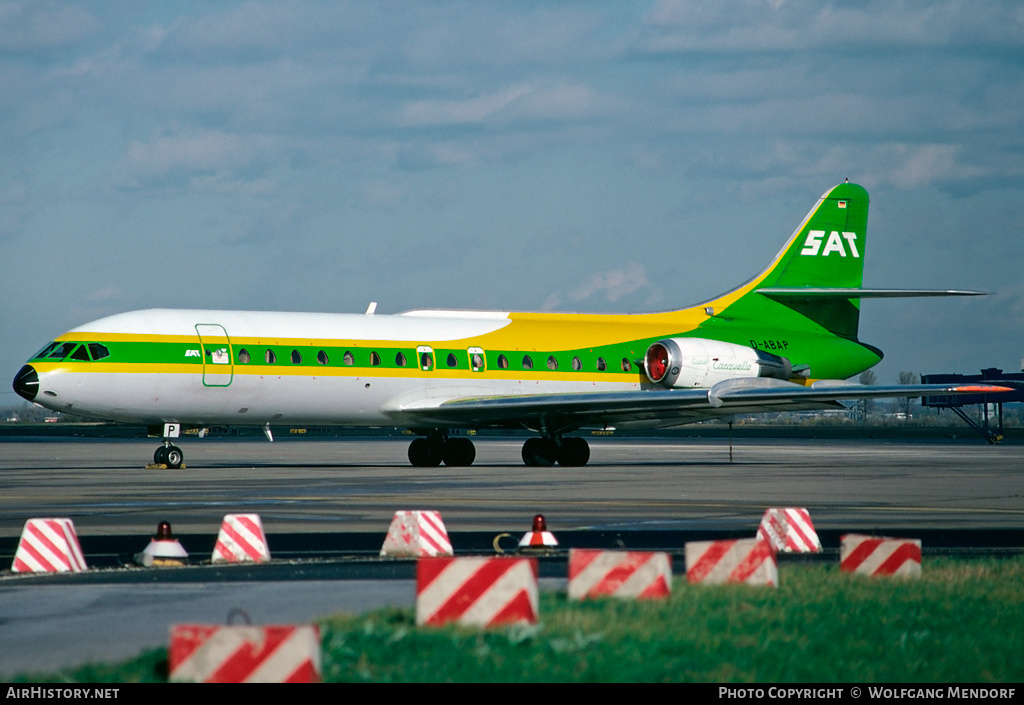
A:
x: 356, y: 485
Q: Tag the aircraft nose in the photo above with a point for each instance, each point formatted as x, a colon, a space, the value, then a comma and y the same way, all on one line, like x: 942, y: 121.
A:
x: 26, y: 382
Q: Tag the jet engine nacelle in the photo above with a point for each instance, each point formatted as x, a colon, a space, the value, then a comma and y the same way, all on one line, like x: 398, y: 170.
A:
x: 698, y: 362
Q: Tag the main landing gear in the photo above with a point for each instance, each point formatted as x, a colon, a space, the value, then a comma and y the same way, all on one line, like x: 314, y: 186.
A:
x: 569, y: 451
x: 429, y: 452
x: 435, y: 448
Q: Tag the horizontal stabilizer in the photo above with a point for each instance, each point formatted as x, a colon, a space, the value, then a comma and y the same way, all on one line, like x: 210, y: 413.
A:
x: 782, y: 293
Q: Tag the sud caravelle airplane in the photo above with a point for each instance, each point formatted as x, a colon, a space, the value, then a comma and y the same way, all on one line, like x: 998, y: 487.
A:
x: 780, y: 342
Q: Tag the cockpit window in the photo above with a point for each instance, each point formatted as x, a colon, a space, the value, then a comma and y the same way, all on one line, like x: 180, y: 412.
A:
x: 84, y: 352
x: 98, y: 351
x: 59, y: 353
x: 45, y: 350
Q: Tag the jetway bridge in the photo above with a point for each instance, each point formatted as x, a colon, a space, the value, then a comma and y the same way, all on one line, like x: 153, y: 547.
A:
x: 991, y: 424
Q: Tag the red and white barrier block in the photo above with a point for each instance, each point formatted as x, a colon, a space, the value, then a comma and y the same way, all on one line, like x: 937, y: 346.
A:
x: 416, y: 534
x: 750, y: 561
x: 245, y: 654
x: 241, y: 539
x: 479, y: 592
x: 49, y: 546
x: 628, y: 574
x: 870, y: 555
x: 789, y: 530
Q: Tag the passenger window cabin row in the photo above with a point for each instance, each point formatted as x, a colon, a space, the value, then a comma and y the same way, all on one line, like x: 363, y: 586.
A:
x: 86, y: 352
x: 477, y: 361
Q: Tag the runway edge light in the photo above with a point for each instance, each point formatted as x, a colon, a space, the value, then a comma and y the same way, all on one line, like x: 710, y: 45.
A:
x: 163, y: 549
x: 538, y: 538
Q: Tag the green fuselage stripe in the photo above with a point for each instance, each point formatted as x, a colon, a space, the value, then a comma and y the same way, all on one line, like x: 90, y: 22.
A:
x: 180, y: 355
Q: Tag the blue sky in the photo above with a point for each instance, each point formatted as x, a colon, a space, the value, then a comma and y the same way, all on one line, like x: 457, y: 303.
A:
x: 571, y: 156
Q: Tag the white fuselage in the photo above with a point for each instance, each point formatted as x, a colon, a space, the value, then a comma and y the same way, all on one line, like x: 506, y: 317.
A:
x: 175, y: 387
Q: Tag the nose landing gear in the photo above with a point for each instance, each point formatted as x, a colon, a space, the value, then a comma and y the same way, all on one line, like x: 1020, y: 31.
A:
x: 169, y: 455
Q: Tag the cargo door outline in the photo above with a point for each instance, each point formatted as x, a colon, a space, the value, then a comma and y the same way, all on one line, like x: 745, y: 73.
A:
x: 218, y: 357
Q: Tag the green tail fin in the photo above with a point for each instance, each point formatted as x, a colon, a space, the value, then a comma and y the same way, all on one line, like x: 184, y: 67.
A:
x: 827, y: 250
x: 825, y: 253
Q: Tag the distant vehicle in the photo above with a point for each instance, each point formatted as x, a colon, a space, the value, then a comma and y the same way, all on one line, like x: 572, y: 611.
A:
x: 780, y: 342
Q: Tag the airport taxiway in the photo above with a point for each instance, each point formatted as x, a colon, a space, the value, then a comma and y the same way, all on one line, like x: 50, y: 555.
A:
x: 356, y: 485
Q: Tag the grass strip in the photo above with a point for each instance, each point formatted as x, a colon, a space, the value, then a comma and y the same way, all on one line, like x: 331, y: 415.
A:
x: 960, y: 623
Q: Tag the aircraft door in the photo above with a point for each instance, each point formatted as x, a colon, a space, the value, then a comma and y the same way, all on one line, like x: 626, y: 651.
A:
x: 477, y: 360
x: 218, y: 357
x: 426, y: 357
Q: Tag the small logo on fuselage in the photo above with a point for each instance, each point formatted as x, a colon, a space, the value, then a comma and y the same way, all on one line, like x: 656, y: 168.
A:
x: 812, y: 245
x: 192, y: 353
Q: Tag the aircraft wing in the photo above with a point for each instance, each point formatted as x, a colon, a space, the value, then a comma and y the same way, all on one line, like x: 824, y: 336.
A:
x: 657, y: 408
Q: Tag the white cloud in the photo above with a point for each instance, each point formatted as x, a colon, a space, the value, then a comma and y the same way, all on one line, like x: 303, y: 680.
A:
x: 521, y: 101
x: 674, y: 26
x: 561, y: 102
x: 382, y: 194
x: 43, y: 26
x: 202, y: 159
x: 469, y: 110
x: 110, y: 292
x: 613, y: 284
x: 924, y: 164
x: 551, y: 302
